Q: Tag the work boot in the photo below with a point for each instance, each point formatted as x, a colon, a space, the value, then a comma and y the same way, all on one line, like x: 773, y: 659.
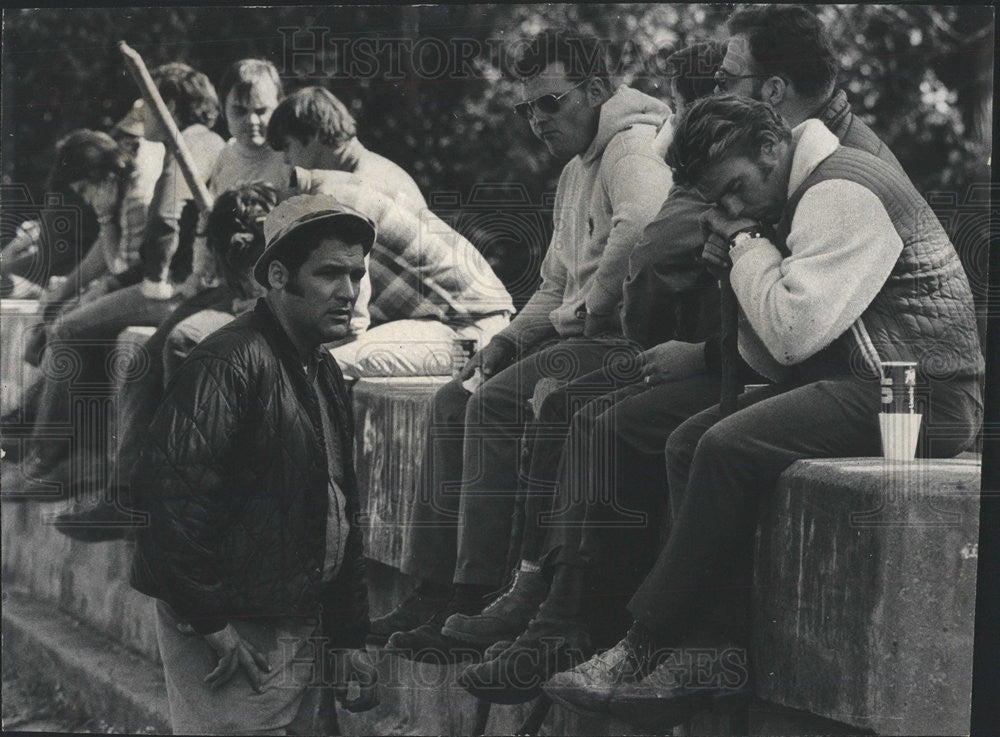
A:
x: 556, y: 639
x: 416, y: 609
x: 505, y: 617
x: 516, y: 675
x: 427, y: 644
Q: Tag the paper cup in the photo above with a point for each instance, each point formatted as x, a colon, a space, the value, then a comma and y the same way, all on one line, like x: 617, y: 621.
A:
x: 899, y: 435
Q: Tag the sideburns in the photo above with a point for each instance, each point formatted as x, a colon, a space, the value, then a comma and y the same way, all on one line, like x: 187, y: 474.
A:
x: 292, y: 286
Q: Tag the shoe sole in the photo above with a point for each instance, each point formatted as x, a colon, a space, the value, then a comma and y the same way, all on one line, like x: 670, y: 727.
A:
x: 649, y: 711
x: 559, y: 695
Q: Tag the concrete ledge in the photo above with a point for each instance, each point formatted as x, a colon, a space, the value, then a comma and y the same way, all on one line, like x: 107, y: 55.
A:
x: 391, y: 417
x: 865, y: 587
x: 17, y: 317
x: 96, y: 673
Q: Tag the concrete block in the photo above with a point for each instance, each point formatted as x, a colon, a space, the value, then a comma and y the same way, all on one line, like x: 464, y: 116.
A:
x: 865, y: 585
x: 17, y: 317
x: 391, y: 417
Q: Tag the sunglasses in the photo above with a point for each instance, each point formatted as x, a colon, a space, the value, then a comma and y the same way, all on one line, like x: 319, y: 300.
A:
x: 548, y: 104
x: 723, y: 78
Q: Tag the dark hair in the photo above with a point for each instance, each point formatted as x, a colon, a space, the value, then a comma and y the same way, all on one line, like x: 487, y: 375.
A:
x: 188, y: 93
x: 309, y: 112
x: 234, y: 232
x: 694, y: 68
x: 788, y: 41
x: 244, y: 74
x: 86, y: 154
x: 714, y: 128
x: 582, y: 56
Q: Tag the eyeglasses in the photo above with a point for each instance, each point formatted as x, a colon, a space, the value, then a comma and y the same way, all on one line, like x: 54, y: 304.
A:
x: 548, y: 104
x: 723, y: 78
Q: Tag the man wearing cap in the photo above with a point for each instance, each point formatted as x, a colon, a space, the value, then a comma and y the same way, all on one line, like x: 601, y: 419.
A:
x: 247, y: 478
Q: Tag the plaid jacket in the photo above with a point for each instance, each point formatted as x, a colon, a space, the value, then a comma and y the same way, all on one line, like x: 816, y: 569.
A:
x: 419, y: 266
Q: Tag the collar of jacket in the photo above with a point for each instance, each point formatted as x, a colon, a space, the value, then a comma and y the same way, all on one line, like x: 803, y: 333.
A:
x: 834, y: 111
x: 284, y: 348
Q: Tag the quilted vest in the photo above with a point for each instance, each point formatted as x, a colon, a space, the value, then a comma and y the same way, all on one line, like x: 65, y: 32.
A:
x: 924, y: 311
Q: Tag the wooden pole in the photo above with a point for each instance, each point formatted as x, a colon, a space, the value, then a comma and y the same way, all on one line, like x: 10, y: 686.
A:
x: 151, y: 96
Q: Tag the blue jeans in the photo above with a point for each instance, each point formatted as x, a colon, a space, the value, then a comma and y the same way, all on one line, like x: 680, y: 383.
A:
x: 75, y: 368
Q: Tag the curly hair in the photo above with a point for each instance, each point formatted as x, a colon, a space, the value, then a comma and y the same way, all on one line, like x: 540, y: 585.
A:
x: 87, y: 154
x: 188, y: 93
x: 234, y: 232
x: 715, y: 128
x: 788, y: 41
x: 309, y: 112
x: 694, y: 68
x: 582, y: 56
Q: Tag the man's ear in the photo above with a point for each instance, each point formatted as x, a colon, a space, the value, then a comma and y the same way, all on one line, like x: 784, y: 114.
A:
x: 277, y: 275
x: 598, y: 91
x: 774, y: 91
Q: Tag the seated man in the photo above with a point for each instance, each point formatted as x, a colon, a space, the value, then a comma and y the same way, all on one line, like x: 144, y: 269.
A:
x: 594, y: 494
x: 610, y: 188
x: 164, y: 260
x: 427, y: 285
x: 856, y: 272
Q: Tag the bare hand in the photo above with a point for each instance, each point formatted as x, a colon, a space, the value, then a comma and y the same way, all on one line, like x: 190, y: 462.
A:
x: 234, y: 652
x: 356, y: 680
x: 490, y: 359
x: 718, y: 228
x: 673, y: 361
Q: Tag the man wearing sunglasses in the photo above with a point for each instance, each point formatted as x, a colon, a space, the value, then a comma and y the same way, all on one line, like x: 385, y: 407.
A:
x: 782, y: 55
x: 611, y: 187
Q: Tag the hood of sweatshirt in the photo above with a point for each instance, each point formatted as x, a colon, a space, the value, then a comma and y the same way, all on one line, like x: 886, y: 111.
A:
x: 624, y: 109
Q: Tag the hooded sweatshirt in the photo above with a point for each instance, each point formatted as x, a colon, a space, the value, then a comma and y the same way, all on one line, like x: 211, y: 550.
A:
x: 604, y: 199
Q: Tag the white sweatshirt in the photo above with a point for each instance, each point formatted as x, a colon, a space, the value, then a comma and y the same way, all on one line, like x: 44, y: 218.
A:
x: 843, y: 247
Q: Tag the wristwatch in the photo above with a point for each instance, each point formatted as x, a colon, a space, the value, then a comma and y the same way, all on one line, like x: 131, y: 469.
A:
x: 743, y: 235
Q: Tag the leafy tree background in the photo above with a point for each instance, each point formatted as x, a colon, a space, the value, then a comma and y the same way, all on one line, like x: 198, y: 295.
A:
x: 920, y: 75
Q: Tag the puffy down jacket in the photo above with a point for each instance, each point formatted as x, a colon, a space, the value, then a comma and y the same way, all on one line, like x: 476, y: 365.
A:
x: 233, y: 474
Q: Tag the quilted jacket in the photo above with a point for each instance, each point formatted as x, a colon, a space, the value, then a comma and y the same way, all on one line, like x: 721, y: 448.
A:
x: 233, y: 474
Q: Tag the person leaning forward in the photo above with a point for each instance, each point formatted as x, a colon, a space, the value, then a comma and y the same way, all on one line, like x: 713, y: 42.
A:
x: 247, y: 478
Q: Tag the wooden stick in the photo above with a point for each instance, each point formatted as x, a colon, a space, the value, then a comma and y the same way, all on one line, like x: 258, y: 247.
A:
x: 137, y: 68
x: 730, y: 352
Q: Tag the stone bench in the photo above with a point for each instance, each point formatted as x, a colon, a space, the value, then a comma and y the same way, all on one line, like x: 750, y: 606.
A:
x: 864, y: 588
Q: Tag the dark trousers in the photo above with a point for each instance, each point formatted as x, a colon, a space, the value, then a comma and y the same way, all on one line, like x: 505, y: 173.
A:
x: 612, y: 484
x: 720, y: 471
x: 461, y: 525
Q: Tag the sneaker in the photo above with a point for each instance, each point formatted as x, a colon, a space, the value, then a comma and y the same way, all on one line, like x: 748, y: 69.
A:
x: 506, y: 616
x: 589, y: 689
x: 415, y: 610
x: 594, y: 675
x: 684, y: 683
x: 516, y: 675
x: 426, y: 643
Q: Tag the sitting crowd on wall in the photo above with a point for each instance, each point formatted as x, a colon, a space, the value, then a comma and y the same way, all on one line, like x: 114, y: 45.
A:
x: 572, y: 544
